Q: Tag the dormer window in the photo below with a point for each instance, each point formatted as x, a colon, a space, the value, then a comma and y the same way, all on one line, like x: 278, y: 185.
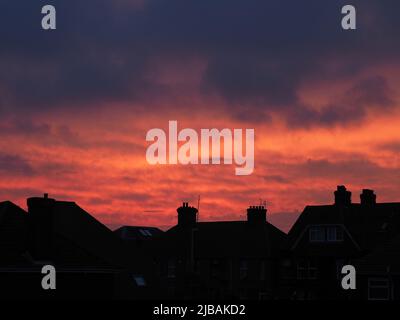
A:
x: 334, y: 233
x: 326, y: 233
x: 317, y: 234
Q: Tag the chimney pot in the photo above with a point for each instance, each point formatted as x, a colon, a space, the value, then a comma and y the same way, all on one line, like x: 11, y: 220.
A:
x: 342, y: 196
x: 187, y: 216
x: 40, y: 215
x: 368, y: 197
x: 256, y: 214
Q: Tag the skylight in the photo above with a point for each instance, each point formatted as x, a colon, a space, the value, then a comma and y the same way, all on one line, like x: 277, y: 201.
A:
x: 139, y: 280
x: 145, y: 232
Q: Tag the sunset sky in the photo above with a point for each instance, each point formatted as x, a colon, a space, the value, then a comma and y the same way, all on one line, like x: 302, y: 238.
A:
x: 76, y: 103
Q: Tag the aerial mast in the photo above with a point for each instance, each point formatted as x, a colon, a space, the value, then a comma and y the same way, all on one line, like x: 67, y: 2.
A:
x: 198, y: 209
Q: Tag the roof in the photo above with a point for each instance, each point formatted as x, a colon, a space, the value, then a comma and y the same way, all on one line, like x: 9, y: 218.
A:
x: 77, y: 228
x: 80, y: 228
x: 7, y: 208
x: 78, y: 243
x: 13, y: 232
x: 368, y: 225
x: 224, y: 240
x: 383, y: 259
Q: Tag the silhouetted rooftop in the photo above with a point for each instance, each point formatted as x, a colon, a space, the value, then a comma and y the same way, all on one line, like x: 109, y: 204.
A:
x: 137, y: 232
x: 383, y: 259
x: 369, y: 225
x: 226, y: 239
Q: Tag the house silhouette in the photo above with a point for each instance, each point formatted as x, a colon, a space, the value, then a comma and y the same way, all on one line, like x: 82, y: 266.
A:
x: 86, y: 254
x: 324, y: 238
x: 232, y: 259
x: 249, y: 259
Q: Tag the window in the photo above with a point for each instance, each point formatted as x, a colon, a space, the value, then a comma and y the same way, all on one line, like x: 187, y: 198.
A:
x: 243, y: 270
x: 302, y: 272
x: 262, y: 296
x: 312, y: 270
x: 139, y: 280
x: 334, y: 233
x: 326, y: 233
x: 306, y: 269
x: 331, y: 233
x: 378, y: 289
x: 145, y: 233
x: 171, y: 269
x: 317, y: 234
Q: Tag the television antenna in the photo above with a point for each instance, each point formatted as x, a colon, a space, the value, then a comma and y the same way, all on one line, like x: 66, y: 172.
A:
x: 198, y: 208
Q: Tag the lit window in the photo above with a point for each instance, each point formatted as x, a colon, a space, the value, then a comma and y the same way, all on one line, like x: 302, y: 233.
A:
x: 317, y: 234
x: 378, y: 289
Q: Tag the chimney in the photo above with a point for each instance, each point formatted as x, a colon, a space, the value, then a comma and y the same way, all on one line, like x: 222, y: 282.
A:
x: 342, y: 196
x: 187, y: 216
x: 256, y: 214
x: 40, y: 216
x: 368, y: 197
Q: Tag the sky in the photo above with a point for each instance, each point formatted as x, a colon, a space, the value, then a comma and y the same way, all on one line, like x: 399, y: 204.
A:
x: 76, y: 103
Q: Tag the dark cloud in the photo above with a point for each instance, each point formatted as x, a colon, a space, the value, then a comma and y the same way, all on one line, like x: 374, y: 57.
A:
x: 360, y: 170
x: 62, y: 135
x: 18, y: 193
x: 14, y: 165
x: 24, y: 127
x: 251, y: 82
x: 131, y: 196
x: 258, y: 54
x: 393, y: 146
x: 277, y: 179
x: 372, y: 93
